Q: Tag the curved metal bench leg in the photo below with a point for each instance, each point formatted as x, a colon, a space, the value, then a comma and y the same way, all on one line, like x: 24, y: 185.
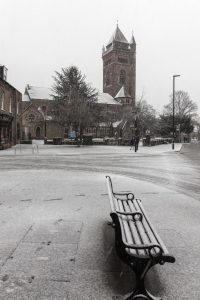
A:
x: 140, y: 292
x: 136, y: 296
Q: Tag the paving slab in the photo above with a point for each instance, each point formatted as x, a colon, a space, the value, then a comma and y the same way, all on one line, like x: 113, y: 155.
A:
x: 55, y: 241
x: 25, y: 288
x: 52, y: 261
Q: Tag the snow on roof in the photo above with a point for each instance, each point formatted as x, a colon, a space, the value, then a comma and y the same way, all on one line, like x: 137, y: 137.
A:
x: 42, y: 93
x: 105, y: 98
x: 25, y: 98
x: 116, y: 124
x: 122, y: 93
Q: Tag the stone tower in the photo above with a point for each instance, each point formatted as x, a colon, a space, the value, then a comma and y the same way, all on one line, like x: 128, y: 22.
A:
x: 119, y: 65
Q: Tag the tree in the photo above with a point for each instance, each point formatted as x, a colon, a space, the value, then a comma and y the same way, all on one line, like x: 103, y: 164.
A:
x: 183, y: 105
x: 184, y: 112
x: 146, y: 116
x: 74, y: 99
x: 183, y: 124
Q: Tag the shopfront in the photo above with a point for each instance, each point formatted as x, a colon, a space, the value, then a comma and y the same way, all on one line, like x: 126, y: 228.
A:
x: 5, y: 131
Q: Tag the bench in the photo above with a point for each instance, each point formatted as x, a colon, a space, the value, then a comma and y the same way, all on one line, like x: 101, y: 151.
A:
x: 137, y: 242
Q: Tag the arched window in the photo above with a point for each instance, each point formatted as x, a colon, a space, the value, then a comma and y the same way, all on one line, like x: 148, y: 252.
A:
x: 44, y: 108
x: 108, y: 78
x: 38, y: 132
x: 122, y: 77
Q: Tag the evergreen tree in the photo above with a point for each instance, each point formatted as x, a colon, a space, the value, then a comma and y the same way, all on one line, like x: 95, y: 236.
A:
x: 74, y: 100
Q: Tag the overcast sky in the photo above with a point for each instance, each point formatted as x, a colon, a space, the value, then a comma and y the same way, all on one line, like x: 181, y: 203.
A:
x: 38, y: 37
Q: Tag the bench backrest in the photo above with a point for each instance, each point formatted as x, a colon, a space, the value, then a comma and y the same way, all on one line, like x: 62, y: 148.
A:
x: 111, y: 194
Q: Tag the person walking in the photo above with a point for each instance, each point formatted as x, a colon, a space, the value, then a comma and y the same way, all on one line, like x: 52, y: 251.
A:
x: 132, y: 144
x: 136, y: 140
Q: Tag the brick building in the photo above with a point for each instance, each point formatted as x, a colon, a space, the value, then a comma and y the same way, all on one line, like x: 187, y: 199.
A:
x: 119, y: 78
x: 119, y: 65
x: 37, y: 121
x: 10, y: 112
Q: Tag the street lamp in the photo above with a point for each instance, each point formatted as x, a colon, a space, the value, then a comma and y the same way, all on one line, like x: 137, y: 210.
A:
x: 174, y: 76
x: 45, y: 121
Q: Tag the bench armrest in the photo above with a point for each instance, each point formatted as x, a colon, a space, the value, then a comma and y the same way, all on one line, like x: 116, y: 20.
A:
x: 133, y: 214
x: 155, y: 251
x: 128, y: 196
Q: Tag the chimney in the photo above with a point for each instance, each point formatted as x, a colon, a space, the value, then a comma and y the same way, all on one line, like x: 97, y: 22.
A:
x: 3, y: 72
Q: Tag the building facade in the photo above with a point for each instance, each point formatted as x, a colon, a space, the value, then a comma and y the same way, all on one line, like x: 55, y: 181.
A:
x: 10, y: 112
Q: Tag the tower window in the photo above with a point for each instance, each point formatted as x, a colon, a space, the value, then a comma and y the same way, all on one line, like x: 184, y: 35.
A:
x: 108, y: 78
x: 122, y: 77
x: 123, y: 60
x: 108, y: 62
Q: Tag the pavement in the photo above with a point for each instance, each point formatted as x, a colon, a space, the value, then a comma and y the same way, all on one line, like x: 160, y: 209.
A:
x: 55, y: 241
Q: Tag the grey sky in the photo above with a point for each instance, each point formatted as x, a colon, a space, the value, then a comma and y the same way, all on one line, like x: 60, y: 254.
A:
x: 41, y: 36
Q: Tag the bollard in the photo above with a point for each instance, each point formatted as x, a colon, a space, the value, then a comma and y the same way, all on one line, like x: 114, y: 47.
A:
x: 35, y: 148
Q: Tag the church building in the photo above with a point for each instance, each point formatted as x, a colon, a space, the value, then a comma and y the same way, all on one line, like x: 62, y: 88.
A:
x: 116, y: 102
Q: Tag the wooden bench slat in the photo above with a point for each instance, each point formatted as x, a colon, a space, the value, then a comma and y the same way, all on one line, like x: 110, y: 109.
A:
x: 146, y: 234
x: 125, y: 229
x: 127, y: 232
x: 148, y: 231
x: 165, y: 251
x: 135, y: 231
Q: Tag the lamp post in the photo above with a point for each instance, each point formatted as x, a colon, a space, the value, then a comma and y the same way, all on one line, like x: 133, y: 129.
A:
x: 45, y: 121
x: 174, y: 76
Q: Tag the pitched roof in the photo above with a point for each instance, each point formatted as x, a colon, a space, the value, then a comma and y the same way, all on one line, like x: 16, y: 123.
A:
x: 105, y: 98
x: 25, y: 97
x: 117, y: 36
x: 132, y: 41
x: 122, y: 93
x: 41, y: 93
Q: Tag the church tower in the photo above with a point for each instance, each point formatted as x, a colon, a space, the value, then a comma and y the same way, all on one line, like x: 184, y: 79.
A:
x: 119, y: 65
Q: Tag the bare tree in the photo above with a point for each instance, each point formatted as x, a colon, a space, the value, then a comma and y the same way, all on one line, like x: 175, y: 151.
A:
x: 146, y: 116
x: 183, y: 105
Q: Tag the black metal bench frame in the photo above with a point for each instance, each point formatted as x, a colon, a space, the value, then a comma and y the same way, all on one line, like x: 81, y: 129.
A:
x: 139, y: 256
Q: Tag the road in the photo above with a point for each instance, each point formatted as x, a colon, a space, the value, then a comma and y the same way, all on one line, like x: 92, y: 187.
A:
x: 159, y: 165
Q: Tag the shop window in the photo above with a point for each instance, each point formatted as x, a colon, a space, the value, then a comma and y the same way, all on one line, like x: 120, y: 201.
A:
x: 17, y: 107
x: 2, y: 99
x: 10, y: 105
